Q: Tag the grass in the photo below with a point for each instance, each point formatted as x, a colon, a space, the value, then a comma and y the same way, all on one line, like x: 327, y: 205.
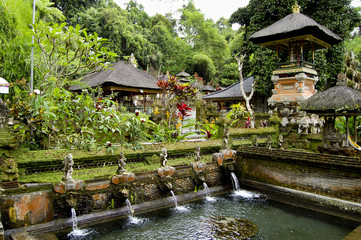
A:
x: 252, y: 131
x: 104, y: 172
x: 26, y: 156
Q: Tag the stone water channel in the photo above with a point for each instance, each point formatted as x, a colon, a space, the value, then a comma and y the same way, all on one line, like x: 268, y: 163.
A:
x: 150, y: 192
x: 274, y: 220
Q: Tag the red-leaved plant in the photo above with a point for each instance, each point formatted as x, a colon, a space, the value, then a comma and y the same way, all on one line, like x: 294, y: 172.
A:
x: 183, y: 110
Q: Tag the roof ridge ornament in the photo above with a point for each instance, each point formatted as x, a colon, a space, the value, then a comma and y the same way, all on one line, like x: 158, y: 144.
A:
x: 296, y: 8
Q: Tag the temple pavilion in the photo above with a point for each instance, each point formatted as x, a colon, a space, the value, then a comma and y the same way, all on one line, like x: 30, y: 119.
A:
x: 133, y: 85
x: 295, y: 38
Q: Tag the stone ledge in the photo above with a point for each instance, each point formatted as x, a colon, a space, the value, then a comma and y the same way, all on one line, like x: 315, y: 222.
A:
x: 354, y: 235
x: 332, y: 206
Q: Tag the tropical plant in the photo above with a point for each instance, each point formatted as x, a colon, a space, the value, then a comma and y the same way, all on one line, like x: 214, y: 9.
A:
x: 82, y: 121
x: 238, y: 111
x: 183, y: 110
x: 211, y: 130
x: 163, y: 132
x: 67, y: 53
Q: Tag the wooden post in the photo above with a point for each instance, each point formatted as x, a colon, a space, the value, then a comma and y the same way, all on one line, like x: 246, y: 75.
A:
x: 355, y: 128
x: 301, y: 54
x: 347, y: 129
x: 145, y: 100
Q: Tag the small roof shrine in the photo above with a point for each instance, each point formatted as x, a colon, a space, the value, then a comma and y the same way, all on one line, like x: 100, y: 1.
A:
x: 232, y: 94
x: 295, y: 76
x: 183, y: 77
x: 340, y: 100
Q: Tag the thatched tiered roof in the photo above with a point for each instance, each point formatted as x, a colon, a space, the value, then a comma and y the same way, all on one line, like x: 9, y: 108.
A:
x: 336, y: 100
x: 123, y: 76
x: 232, y: 92
x: 295, y: 25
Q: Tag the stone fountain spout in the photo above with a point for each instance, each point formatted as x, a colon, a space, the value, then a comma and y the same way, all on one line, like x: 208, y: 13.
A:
x: 67, y: 195
x: 226, y: 154
x: 199, y: 168
x: 67, y: 183
x: 122, y: 179
x: 165, y: 173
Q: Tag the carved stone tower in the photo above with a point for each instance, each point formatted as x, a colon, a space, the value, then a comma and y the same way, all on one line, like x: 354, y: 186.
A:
x: 295, y: 39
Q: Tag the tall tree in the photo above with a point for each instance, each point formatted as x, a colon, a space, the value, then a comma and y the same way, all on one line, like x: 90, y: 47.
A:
x: 125, y: 38
x: 72, y: 8
x: 203, y: 35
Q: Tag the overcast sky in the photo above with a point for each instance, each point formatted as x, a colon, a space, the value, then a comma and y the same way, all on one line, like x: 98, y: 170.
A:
x: 214, y: 9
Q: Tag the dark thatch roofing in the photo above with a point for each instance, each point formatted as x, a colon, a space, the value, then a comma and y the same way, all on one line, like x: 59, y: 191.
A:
x: 183, y: 74
x: 294, y: 24
x: 231, y: 92
x: 123, y: 75
x: 208, y: 88
x: 337, y: 99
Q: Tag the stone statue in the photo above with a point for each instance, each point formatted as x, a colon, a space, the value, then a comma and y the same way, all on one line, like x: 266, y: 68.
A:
x: 225, y: 144
x: 68, y: 167
x: 10, y: 171
x: 121, y: 164
x: 255, y: 141
x: 163, y: 157
x: 198, y: 154
x: 269, y: 142
x: 280, y: 141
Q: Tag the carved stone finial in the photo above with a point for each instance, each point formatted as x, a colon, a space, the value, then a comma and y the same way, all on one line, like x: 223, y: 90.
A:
x: 296, y: 8
x: 341, y: 80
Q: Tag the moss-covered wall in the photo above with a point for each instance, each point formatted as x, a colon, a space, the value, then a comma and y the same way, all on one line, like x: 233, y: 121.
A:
x: 329, y: 175
x: 25, y: 207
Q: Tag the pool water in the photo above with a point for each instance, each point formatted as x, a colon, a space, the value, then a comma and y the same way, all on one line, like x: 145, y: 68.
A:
x: 275, y: 221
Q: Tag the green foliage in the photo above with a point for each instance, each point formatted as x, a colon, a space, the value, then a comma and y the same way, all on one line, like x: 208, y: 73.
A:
x: 48, y: 13
x: 80, y: 121
x: 211, y: 130
x: 72, y: 8
x: 121, y: 28
x: 66, y: 53
x: 163, y: 132
x: 205, y: 37
x: 229, y: 75
x: 14, y: 50
x: 340, y: 125
x: 203, y: 65
x: 238, y: 111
